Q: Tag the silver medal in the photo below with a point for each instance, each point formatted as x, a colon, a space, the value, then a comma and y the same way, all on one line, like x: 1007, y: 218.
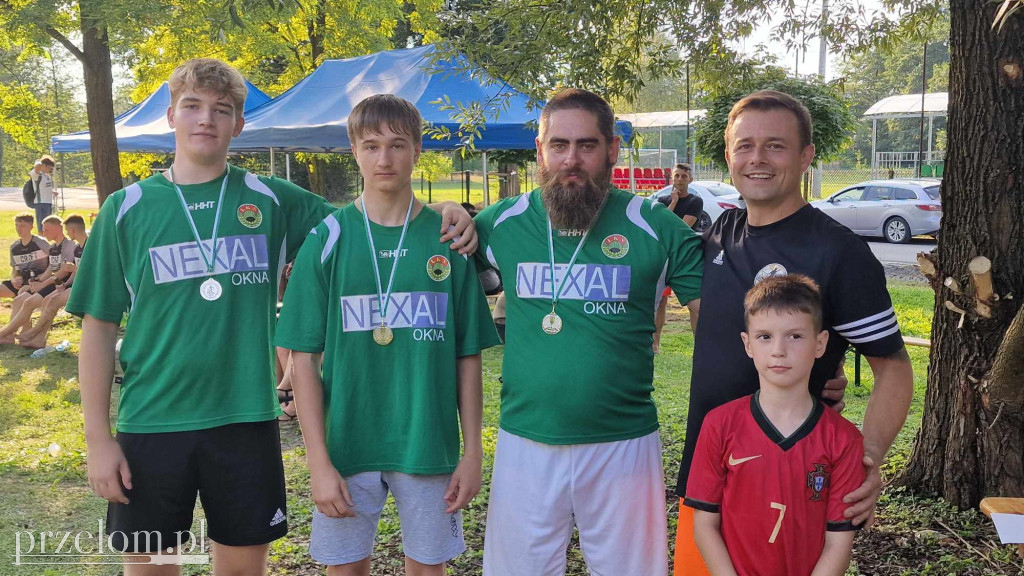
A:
x: 211, y: 290
x: 552, y: 323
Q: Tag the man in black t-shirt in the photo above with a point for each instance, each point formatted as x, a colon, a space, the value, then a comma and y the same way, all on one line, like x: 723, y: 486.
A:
x: 685, y: 205
x: 31, y: 295
x: 34, y: 335
x: 688, y: 207
x: 28, y: 256
x: 768, y: 146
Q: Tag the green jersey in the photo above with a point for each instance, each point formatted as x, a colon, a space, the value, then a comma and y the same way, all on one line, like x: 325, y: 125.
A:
x: 592, y: 381
x: 190, y: 363
x: 392, y: 407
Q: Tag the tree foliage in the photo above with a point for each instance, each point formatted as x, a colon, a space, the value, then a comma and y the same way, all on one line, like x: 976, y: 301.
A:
x: 433, y: 166
x: 830, y: 113
x: 871, y: 75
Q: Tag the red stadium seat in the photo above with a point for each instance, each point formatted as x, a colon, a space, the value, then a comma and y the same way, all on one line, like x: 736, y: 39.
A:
x: 658, y: 173
x: 648, y: 173
x: 638, y: 173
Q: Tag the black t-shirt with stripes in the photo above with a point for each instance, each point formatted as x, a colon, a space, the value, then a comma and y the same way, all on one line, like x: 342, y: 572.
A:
x: 857, y: 308
x: 30, y: 259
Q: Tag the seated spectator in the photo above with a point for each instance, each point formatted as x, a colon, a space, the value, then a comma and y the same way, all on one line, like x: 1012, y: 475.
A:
x: 35, y: 336
x: 31, y: 295
x: 28, y: 256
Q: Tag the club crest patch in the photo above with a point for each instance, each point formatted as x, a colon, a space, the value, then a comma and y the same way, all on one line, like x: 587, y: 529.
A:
x: 770, y: 271
x: 438, y: 268
x: 250, y: 216
x: 817, y: 480
x: 615, y: 246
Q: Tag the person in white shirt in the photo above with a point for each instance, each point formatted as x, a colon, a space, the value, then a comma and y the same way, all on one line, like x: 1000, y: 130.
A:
x: 41, y: 175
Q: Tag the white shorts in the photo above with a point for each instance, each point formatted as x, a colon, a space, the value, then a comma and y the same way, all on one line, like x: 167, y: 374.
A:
x: 429, y: 534
x: 613, y: 492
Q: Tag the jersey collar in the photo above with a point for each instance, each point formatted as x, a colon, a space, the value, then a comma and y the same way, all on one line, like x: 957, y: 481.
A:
x: 773, y: 433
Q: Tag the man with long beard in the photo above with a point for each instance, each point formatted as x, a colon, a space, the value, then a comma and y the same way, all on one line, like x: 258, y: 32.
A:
x: 584, y: 266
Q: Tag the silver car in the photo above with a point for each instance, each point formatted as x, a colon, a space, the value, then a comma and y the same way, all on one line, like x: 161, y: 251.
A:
x: 895, y: 209
x: 717, y: 196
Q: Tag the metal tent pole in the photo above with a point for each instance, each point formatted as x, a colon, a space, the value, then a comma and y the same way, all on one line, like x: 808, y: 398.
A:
x: 487, y: 188
x: 874, y: 140
x: 931, y: 123
x: 288, y: 167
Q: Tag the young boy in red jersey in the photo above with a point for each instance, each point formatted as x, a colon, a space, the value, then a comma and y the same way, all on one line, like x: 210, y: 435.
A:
x: 771, y: 469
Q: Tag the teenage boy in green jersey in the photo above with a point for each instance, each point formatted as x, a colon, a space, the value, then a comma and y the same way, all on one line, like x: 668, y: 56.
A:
x: 399, y: 320
x: 195, y: 256
x: 584, y: 266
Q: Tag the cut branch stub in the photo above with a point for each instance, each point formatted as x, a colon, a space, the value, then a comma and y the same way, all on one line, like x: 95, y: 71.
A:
x: 981, y: 277
x: 952, y: 284
x: 958, y: 310
x: 927, y: 265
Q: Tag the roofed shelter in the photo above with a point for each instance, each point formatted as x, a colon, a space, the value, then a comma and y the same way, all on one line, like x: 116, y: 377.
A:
x: 906, y: 106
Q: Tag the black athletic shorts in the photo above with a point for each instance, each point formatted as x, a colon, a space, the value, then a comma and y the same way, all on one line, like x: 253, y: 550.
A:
x: 46, y: 290
x: 10, y: 286
x: 236, y: 469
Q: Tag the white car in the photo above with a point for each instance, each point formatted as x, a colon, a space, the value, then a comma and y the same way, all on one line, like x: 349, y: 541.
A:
x: 717, y: 196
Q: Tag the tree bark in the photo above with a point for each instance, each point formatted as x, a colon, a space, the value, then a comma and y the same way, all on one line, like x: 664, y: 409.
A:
x: 510, y: 185
x: 971, y: 438
x: 99, y: 100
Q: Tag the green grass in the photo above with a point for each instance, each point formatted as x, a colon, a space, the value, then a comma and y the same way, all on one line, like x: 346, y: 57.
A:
x: 454, y: 190
x: 40, y: 405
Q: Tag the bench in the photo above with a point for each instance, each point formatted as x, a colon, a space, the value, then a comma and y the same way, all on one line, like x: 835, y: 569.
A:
x: 907, y: 341
x: 991, y: 506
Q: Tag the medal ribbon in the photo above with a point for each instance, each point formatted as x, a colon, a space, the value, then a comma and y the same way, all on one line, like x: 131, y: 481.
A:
x: 556, y: 289
x: 384, y: 298
x: 212, y: 260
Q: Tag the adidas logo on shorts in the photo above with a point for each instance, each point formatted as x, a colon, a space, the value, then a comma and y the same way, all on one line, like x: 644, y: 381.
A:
x: 278, y: 518
x: 719, y: 259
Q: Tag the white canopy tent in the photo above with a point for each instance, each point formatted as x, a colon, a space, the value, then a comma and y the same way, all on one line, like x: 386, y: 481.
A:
x: 906, y: 106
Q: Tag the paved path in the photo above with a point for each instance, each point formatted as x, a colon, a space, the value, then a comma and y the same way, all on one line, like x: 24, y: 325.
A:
x: 900, y: 253
x: 75, y: 199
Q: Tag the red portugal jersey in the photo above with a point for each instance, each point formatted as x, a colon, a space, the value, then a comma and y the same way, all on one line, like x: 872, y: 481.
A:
x: 777, y: 496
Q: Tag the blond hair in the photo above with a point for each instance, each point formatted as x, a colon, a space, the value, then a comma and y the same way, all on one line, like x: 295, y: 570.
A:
x: 209, y: 74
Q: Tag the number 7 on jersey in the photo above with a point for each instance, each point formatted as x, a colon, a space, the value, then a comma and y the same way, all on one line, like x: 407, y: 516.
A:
x: 778, y: 523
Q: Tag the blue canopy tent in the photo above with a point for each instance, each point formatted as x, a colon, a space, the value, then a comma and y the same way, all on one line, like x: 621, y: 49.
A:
x: 312, y: 116
x: 144, y: 127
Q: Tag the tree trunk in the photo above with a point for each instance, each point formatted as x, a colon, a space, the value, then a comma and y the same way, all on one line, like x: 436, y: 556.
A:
x: 510, y: 184
x: 971, y: 437
x: 99, y: 101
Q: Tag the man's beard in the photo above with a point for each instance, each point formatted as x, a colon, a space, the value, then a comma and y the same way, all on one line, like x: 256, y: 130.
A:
x: 573, y: 206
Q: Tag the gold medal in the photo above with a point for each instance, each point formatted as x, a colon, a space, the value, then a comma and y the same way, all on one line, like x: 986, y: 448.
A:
x: 383, y: 335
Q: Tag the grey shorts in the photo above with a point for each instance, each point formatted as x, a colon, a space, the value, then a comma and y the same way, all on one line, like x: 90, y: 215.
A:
x: 429, y: 534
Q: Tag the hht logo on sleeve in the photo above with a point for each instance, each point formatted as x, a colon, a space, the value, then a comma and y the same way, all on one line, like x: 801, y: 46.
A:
x: 425, y: 312
x: 245, y: 257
